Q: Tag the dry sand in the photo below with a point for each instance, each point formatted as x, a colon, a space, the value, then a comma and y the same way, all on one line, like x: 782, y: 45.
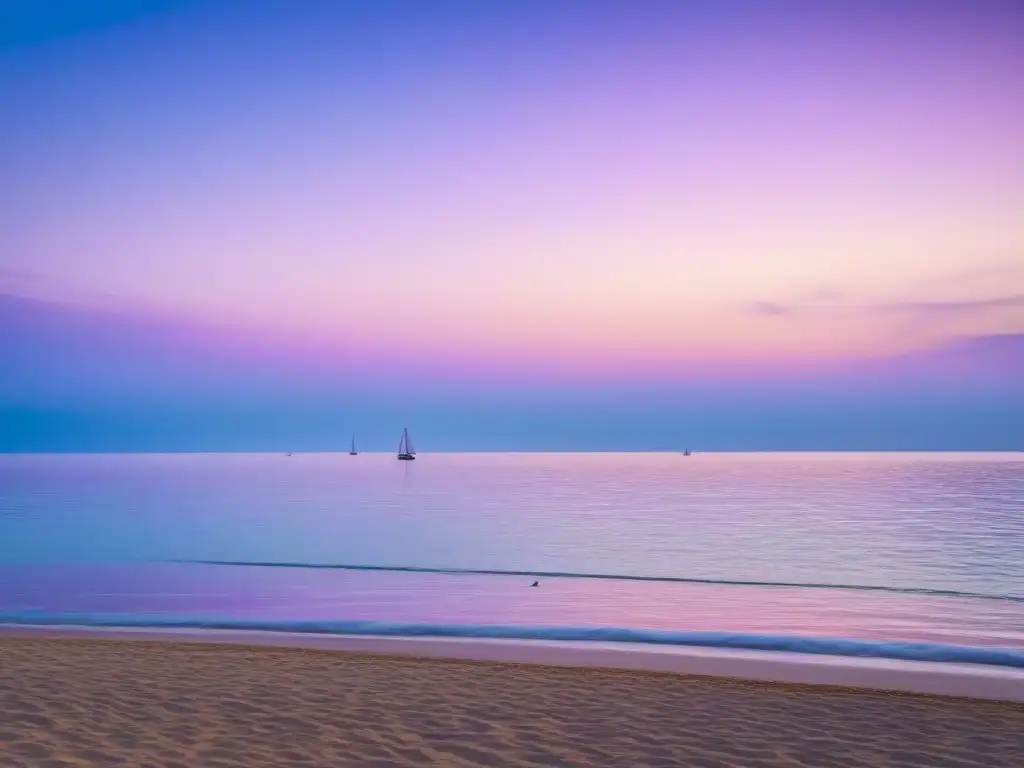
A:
x: 113, y: 703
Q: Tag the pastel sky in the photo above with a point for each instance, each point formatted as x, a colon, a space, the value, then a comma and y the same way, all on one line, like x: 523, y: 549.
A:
x: 578, y: 224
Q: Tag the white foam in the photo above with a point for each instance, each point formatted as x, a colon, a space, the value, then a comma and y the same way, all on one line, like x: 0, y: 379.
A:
x: 936, y: 678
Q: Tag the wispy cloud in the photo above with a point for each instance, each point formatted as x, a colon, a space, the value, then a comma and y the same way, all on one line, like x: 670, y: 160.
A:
x: 1000, y: 275
x: 919, y: 308
x: 768, y: 309
x: 1000, y: 354
x: 824, y: 297
x: 945, y: 308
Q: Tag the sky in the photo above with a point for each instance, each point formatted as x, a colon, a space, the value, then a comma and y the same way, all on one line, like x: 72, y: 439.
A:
x: 532, y: 225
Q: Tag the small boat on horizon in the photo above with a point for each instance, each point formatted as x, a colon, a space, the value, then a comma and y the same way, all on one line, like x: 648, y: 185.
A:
x: 352, y: 450
x: 405, y: 450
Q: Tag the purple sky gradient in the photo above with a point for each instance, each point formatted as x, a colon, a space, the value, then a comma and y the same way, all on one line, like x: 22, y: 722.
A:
x: 254, y: 198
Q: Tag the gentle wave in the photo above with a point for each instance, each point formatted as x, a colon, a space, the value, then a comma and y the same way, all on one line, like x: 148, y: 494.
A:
x: 937, y: 652
x: 611, y: 577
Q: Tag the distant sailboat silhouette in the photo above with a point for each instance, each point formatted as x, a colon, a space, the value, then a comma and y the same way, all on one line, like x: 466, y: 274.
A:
x: 405, y: 450
x: 352, y: 451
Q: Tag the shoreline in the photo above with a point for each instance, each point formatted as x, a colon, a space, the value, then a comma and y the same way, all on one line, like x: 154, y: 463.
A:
x: 943, y: 679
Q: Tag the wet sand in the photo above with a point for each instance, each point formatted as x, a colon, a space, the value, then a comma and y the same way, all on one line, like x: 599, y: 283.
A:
x: 87, y: 702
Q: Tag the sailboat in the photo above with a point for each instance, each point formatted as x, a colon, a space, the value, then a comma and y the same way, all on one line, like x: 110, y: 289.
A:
x: 352, y: 451
x: 405, y: 450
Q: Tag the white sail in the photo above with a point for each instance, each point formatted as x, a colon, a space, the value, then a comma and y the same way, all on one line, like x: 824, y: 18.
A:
x: 405, y: 445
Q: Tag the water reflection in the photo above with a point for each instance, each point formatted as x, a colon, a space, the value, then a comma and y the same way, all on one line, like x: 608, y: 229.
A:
x: 303, y: 594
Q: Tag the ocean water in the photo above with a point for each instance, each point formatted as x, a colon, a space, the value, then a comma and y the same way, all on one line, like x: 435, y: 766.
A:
x: 901, y: 555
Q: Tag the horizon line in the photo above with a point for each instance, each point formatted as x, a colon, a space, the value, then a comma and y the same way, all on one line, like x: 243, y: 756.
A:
x: 661, y: 451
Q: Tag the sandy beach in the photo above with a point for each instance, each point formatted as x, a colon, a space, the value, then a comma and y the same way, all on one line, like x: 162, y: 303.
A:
x: 87, y: 702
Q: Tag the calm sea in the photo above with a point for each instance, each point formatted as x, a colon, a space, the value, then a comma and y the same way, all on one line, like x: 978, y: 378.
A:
x: 891, y: 551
